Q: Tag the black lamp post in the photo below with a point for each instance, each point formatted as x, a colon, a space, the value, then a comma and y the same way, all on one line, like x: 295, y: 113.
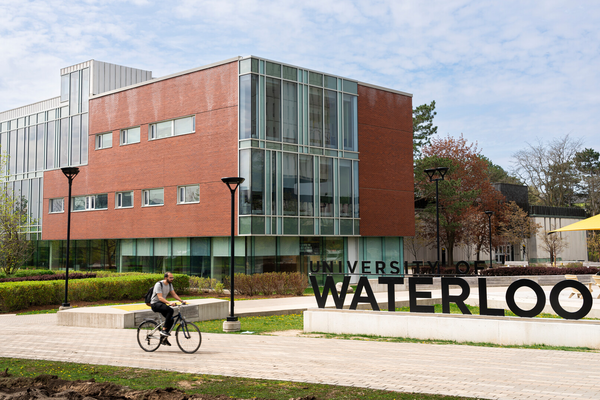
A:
x: 431, y: 172
x: 489, y: 214
x: 70, y: 173
x: 232, y: 324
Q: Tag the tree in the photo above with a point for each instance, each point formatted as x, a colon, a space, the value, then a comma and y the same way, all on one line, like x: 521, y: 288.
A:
x: 466, y: 182
x: 517, y: 227
x: 415, y: 243
x: 423, y: 128
x: 553, y: 243
x: 593, y: 242
x: 549, y: 170
x: 14, y: 246
x: 587, y: 163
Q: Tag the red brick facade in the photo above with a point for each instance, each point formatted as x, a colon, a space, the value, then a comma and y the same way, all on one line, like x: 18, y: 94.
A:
x: 386, y: 179
x: 203, y: 158
x: 210, y: 153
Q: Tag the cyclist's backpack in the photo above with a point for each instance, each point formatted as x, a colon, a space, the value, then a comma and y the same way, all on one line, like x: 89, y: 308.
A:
x: 148, y: 297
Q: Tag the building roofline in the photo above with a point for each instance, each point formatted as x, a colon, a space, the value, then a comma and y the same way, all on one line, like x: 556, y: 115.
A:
x: 162, y: 78
x: 339, y: 76
x: 230, y: 60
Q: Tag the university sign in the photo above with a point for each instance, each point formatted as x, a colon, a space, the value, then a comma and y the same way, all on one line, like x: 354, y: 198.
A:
x: 415, y: 292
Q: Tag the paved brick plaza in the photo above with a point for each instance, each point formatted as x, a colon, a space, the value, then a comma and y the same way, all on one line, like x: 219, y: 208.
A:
x: 496, y: 373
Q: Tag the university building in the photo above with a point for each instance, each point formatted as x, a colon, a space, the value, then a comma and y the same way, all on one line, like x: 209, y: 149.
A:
x: 327, y: 163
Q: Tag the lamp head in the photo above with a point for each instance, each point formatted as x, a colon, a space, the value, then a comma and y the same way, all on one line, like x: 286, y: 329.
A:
x: 489, y: 213
x: 431, y: 172
x: 70, y: 172
x: 233, y: 182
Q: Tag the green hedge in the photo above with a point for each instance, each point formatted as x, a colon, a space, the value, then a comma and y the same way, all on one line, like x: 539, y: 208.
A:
x: 20, y: 295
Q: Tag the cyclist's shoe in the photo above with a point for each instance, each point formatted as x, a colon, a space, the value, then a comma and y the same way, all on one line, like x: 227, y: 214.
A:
x: 165, y: 341
x: 164, y: 333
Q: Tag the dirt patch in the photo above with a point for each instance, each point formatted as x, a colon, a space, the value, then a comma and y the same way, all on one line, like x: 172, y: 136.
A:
x: 50, y: 387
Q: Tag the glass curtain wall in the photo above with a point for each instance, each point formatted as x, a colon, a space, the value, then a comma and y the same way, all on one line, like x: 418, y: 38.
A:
x: 298, y: 146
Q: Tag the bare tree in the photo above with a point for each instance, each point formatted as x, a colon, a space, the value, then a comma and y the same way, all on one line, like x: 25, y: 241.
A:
x: 417, y: 242
x: 587, y: 163
x: 549, y: 170
x: 593, y: 242
x: 517, y: 227
x: 553, y: 243
x: 14, y: 246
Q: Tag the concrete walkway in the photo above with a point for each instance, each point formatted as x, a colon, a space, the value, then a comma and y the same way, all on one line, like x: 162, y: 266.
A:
x: 494, y: 373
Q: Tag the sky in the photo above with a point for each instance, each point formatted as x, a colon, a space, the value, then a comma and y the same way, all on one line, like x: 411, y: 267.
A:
x: 504, y: 74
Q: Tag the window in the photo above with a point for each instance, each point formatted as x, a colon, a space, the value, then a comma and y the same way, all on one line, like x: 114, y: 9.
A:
x: 188, y: 194
x: 124, y: 200
x: 173, y: 127
x: 87, y: 203
x: 153, y: 197
x: 131, y: 135
x: 104, y: 141
x: 57, y: 205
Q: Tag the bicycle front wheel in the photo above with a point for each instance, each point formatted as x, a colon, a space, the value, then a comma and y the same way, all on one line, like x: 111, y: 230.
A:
x: 148, y: 335
x: 188, y: 337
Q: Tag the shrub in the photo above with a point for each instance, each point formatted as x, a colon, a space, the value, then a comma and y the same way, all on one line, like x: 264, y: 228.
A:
x: 296, y: 283
x: 219, y: 287
x: 57, y: 277
x: 19, y: 295
x: 269, y: 283
x: 31, y: 272
x: 518, y: 271
x: 245, y: 284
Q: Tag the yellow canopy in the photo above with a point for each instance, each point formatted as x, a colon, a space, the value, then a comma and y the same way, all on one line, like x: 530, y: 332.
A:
x: 589, y: 224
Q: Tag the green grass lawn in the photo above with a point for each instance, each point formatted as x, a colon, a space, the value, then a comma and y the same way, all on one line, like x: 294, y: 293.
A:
x: 245, y: 388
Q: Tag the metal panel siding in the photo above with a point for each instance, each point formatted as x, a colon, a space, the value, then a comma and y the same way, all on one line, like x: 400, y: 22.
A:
x: 106, y: 78
x: 95, y: 77
x: 128, y: 77
x: 118, y: 76
x: 113, y: 77
x: 30, y: 109
x: 75, y: 67
x: 138, y: 75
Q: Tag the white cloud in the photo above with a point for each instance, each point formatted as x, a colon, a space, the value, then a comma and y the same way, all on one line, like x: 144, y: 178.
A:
x: 499, y: 71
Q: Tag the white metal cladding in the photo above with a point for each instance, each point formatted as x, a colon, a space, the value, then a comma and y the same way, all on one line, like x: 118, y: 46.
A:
x: 30, y: 109
x: 107, y: 77
x: 76, y: 67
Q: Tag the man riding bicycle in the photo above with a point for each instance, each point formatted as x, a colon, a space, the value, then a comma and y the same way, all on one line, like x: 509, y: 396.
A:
x: 160, y: 304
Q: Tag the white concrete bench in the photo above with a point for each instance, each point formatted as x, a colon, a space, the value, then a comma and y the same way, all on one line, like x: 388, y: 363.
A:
x: 516, y: 263
x: 130, y: 315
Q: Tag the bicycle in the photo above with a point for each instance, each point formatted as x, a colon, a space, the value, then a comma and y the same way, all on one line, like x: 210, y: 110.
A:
x: 187, y: 334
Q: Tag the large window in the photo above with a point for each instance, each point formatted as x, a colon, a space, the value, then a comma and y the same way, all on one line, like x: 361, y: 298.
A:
x: 290, y: 183
x: 124, y: 199
x: 153, y: 197
x: 326, y: 186
x: 290, y: 112
x: 131, y: 135
x: 350, y: 123
x: 248, y: 106
x: 316, y: 116
x: 103, y: 141
x: 331, y: 120
x: 273, y: 109
x: 188, y: 194
x: 345, y: 188
x: 174, y: 127
x: 306, y: 186
x: 252, y: 190
x: 93, y: 202
x: 57, y: 205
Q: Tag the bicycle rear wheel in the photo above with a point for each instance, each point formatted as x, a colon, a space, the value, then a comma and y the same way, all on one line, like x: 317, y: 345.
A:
x: 148, y: 335
x: 188, y: 337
